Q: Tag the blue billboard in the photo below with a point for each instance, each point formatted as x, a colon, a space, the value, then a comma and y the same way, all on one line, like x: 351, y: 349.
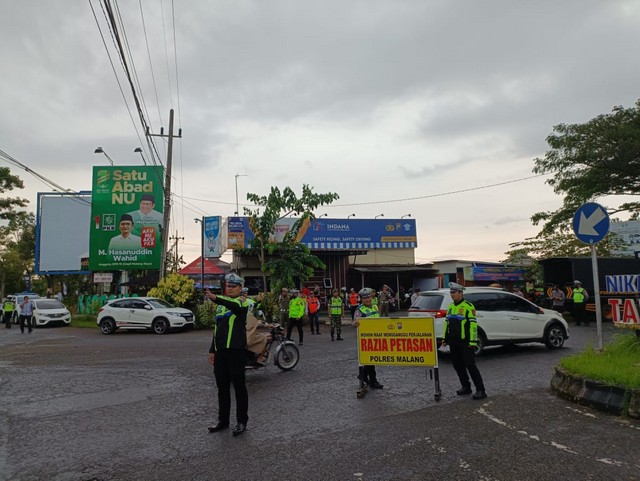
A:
x: 326, y: 233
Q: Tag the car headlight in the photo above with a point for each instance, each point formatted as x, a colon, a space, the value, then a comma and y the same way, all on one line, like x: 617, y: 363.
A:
x: 177, y: 314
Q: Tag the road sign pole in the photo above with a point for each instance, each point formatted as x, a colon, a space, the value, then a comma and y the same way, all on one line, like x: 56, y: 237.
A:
x: 596, y: 288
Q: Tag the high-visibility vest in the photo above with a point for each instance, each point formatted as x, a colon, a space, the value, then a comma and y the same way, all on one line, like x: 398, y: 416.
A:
x: 460, y: 323
x: 314, y: 304
x: 578, y: 295
x: 296, y: 308
x: 368, y: 311
x: 353, y: 299
x: 335, y: 306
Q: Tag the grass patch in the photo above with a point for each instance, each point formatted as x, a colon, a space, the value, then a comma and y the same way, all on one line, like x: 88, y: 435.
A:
x: 618, y: 364
x: 83, y: 320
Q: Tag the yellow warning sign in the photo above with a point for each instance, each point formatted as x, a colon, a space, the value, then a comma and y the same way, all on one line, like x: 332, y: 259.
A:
x: 407, y: 341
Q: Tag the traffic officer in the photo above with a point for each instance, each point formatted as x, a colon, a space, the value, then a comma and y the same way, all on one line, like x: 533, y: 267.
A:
x: 7, y: 312
x: 227, y: 354
x: 461, y: 335
x: 366, y: 309
x: 336, y: 311
x: 297, y: 306
x: 580, y: 296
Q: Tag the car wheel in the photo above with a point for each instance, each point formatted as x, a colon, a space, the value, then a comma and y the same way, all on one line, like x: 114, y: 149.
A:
x: 160, y: 326
x: 482, y: 342
x: 555, y: 336
x: 107, y: 326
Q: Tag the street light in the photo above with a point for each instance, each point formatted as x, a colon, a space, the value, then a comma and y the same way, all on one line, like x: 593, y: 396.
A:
x: 139, y: 150
x: 323, y: 215
x: 237, y: 205
x: 351, y: 215
x: 406, y: 215
x: 201, y: 251
x: 100, y: 150
x: 379, y: 215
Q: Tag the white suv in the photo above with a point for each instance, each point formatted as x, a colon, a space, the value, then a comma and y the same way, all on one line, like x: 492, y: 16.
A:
x: 143, y: 313
x: 503, y: 317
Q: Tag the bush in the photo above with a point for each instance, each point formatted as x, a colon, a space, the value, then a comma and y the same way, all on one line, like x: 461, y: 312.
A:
x: 205, y: 315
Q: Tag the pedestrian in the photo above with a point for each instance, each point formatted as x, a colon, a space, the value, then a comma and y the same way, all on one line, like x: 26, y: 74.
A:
x: 336, y: 312
x: 557, y: 299
x: 580, y: 297
x: 461, y: 335
x: 353, y: 302
x: 26, y: 314
x: 415, y: 295
x: 283, y: 304
x: 313, y: 306
x: 8, y: 308
x: 518, y: 292
x: 296, y: 314
x: 383, y: 301
x: 227, y: 354
x: 366, y: 310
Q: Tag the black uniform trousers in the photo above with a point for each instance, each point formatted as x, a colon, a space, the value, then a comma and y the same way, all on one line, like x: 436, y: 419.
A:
x: 368, y: 374
x: 297, y: 322
x: 228, y: 368
x: 580, y: 311
x: 463, y: 358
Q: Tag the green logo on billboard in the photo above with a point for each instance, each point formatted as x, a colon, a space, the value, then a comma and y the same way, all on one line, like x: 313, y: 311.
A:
x: 103, y: 176
x: 108, y: 222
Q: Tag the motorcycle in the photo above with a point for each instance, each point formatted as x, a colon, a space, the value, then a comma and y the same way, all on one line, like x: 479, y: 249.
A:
x: 285, y: 353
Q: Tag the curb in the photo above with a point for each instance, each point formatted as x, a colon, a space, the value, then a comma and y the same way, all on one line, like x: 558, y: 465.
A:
x: 616, y: 400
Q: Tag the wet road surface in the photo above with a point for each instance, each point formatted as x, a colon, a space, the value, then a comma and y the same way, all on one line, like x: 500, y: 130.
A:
x: 78, y: 405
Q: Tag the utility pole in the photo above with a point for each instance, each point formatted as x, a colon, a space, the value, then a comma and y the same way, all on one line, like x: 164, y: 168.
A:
x: 175, y: 248
x: 167, y: 191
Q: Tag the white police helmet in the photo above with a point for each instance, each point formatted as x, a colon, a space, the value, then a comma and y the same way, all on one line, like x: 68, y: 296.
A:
x: 456, y: 287
x: 234, y: 279
x: 365, y: 292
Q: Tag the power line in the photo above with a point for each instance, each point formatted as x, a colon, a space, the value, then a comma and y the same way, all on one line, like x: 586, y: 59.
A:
x: 153, y: 77
x: 442, y: 194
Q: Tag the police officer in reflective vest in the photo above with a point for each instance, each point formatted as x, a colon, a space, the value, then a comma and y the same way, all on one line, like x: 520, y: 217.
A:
x: 364, y: 310
x: 580, y: 296
x: 228, y: 354
x: 297, y: 306
x: 336, y: 311
x: 461, y: 334
x: 7, y: 312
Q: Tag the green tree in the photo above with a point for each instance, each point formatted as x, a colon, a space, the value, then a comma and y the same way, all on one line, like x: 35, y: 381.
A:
x: 598, y: 158
x: 8, y: 205
x: 273, y: 207
x: 288, y: 260
x: 175, y: 289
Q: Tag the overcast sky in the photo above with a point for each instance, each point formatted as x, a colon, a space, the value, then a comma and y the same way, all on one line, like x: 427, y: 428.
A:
x: 378, y: 101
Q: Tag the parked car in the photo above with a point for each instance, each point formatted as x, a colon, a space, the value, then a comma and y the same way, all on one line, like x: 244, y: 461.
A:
x: 503, y: 317
x: 17, y: 300
x: 143, y: 313
x: 50, y: 311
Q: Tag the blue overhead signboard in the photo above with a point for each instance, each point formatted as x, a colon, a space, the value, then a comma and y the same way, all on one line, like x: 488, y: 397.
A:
x: 591, y: 223
x: 326, y: 233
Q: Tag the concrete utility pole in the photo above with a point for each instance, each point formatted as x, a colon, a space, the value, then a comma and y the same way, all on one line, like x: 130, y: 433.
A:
x: 175, y: 248
x: 167, y: 192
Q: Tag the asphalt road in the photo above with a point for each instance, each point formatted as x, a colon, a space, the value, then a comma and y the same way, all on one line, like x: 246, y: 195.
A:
x: 78, y: 405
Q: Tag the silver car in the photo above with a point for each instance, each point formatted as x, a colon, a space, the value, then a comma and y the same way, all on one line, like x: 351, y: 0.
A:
x: 503, y: 317
x: 143, y: 313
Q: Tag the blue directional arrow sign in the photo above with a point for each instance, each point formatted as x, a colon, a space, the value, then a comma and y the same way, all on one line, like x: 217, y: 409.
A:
x: 591, y: 223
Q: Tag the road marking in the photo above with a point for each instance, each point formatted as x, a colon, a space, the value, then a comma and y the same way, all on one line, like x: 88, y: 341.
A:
x: 562, y: 447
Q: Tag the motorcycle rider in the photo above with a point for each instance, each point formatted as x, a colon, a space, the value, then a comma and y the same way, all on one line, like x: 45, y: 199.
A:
x: 227, y: 354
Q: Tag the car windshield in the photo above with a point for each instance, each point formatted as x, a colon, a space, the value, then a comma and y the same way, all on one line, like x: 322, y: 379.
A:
x: 159, y: 303
x: 429, y: 301
x: 48, y: 304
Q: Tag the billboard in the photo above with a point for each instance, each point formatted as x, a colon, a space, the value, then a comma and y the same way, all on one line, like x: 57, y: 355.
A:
x: 62, y: 232
x: 326, y: 233
x: 212, y: 236
x: 629, y: 233
x: 126, y: 218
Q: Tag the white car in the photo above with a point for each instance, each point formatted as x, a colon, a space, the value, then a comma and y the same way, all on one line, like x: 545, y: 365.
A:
x: 503, y: 317
x: 50, y: 311
x: 143, y: 313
